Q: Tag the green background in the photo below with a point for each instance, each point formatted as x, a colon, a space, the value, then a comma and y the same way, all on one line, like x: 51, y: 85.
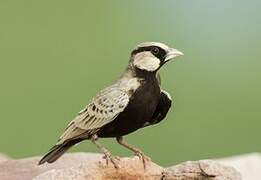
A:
x: 55, y: 55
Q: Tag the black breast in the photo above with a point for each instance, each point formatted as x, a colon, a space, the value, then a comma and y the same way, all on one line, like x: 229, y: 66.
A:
x: 139, y: 110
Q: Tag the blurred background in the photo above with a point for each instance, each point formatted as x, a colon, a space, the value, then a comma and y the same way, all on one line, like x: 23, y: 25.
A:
x: 55, y: 55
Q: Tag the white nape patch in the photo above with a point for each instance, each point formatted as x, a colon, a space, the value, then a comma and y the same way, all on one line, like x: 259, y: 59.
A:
x: 146, y: 61
x: 165, y: 92
x: 129, y: 83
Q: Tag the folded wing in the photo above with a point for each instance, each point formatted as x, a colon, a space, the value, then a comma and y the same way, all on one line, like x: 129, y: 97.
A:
x: 103, y: 109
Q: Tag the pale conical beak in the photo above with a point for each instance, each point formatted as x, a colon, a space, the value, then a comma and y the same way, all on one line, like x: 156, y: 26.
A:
x: 172, y: 53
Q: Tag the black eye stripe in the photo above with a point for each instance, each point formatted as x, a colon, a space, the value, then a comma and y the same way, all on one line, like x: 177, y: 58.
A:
x: 161, y: 54
x: 141, y: 49
x: 155, y: 50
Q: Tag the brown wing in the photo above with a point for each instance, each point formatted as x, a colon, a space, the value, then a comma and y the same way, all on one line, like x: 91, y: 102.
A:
x: 103, y: 109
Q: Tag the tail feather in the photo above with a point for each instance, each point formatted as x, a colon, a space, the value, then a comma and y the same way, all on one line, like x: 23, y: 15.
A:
x: 57, y: 151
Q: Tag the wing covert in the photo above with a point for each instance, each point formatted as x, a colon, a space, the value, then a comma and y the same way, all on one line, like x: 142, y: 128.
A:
x: 103, y: 109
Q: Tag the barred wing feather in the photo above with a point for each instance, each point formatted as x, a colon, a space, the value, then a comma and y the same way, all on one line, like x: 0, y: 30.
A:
x: 103, y: 109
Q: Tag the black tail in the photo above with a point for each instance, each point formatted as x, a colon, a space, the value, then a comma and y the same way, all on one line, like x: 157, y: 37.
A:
x: 57, y: 151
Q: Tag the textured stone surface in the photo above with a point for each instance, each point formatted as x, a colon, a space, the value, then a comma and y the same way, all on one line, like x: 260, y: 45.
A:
x: 88, y: 166
x: 130, y: 168
x: 249, y: 165
x: 201, y: 170
x: 25, y: 169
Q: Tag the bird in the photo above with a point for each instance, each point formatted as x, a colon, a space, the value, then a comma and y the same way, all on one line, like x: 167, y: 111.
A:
x: 134, y: 101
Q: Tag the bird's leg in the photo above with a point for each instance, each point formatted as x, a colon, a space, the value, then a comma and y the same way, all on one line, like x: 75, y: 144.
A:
x: 137, y: 152
x: 106, y: 152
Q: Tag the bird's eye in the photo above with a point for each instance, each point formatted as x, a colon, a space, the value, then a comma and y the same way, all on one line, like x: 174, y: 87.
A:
x: 155, y: 50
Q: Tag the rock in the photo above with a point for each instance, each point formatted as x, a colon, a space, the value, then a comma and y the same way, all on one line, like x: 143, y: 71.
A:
x: 201, y: 170
x: 130, y: 168
x: 249, y: 165
x: 88, y: 166
x: 25, y: 169
x: 3, y: 158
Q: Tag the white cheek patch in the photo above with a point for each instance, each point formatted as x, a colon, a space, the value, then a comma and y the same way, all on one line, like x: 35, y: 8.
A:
x: 146, y: 61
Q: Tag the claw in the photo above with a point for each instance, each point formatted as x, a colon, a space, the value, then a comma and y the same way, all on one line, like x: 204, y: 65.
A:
x: 107, y: 155
x: 113, y: 160
x: 142, y: 157
x: 136, y: 151
x: 115, y: 163
x: 107, y: 160
x: 118, y: 158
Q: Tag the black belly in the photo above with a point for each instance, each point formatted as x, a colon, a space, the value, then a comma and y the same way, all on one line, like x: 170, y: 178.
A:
x: 139, y: 110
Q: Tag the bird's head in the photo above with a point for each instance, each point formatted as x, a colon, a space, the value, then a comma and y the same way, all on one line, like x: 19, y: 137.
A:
x: 150, y: 56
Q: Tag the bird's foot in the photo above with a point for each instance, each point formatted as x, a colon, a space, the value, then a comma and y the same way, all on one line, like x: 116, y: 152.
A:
x: 114, y: 160
x: 118, y: 158
x: 142, y: 157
